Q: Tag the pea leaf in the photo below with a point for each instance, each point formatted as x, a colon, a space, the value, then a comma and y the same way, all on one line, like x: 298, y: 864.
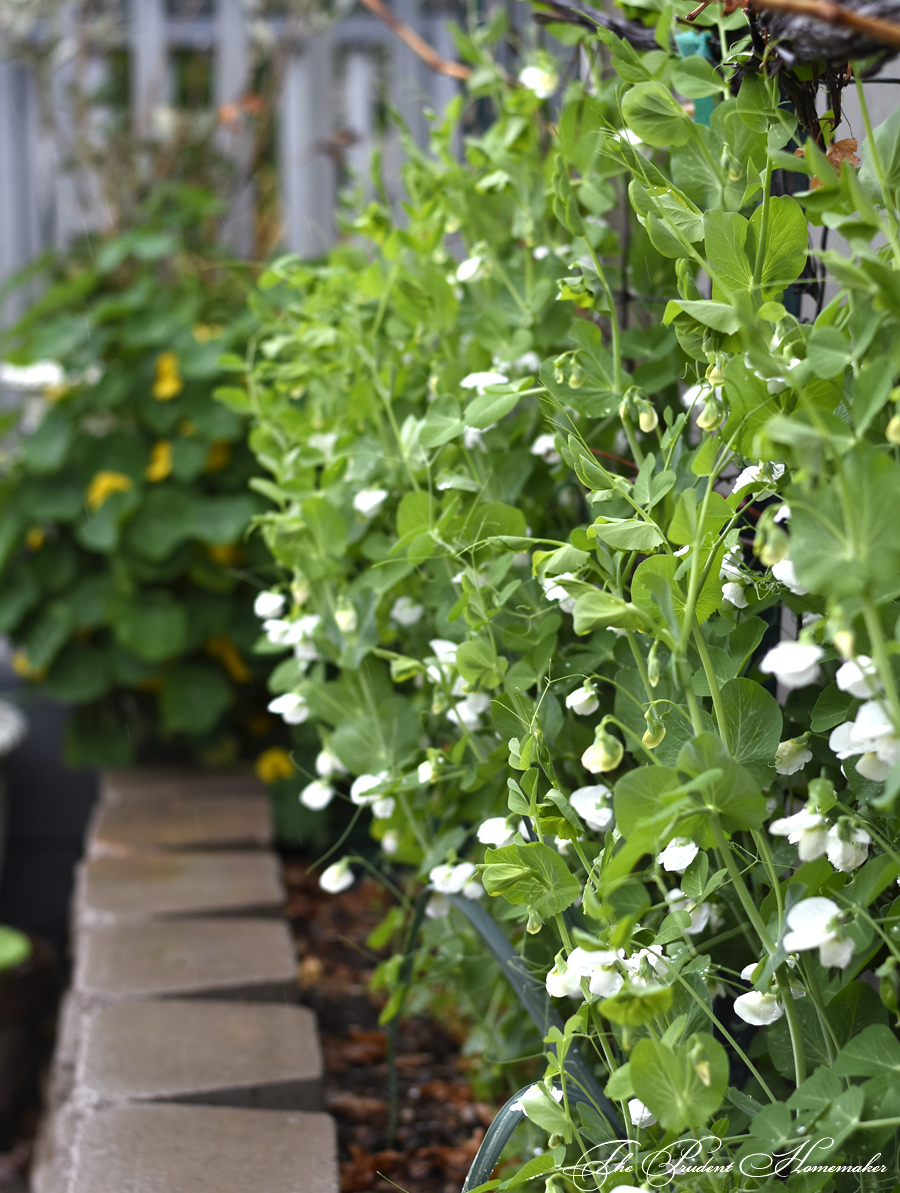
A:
x: 533, y: 874
x: 753, y: 720
x: 682, y: 1089
x: 651, y: 111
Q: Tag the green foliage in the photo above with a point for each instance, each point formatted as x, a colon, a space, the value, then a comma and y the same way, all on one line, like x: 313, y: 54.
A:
x: 590, y: 548
x: 127, y: 575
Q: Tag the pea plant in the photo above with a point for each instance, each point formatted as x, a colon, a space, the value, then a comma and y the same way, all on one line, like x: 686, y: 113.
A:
x: 668, y: 749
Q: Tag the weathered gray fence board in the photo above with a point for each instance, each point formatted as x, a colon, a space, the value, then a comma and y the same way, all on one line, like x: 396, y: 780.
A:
x: 326, y: 119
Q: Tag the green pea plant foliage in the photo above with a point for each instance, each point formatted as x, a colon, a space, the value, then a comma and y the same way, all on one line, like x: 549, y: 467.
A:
x: 126, y: 582
x: 637, y: 684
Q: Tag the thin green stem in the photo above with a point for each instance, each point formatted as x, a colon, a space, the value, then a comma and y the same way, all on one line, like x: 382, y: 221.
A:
x: 737, y: 878
x: 882, y: 660
x: 709, y: 672
x: 793, y: 1022
x: 889, y: 202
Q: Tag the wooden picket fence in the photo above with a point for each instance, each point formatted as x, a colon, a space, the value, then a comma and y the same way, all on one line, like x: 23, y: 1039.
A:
x: 333, y: 84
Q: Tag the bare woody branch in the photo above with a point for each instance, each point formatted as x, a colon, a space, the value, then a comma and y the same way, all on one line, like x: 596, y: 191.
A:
x: 831, y: 13
x: 426, y: 52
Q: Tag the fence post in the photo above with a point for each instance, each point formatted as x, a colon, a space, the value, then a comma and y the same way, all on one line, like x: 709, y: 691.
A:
x: 408, y: 88
x: 360, y: 83
x: 231, y: 77
x: 150, y: 87
x: 307, y: 154
x: 19, y: 225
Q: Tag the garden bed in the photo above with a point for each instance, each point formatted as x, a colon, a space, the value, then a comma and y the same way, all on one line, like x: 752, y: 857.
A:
x: 440, y: 1122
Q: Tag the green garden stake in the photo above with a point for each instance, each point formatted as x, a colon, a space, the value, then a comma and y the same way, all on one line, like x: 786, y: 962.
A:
x: 691, y: 42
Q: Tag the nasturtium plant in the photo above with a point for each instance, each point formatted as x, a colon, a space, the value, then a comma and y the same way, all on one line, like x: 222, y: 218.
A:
x: 606, y: 640
x: 128, y: 579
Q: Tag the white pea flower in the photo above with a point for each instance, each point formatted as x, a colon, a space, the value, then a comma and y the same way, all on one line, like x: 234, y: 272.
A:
x: 639, y: 1114
x: 791, y: 756
x: 782, y: 514
x: 369, y: 501
x: 805, y: 829
x: 694, y: 394
x: 563, y: 985
x: 269, y: 605
x: 598, y: 758
x: 532, y: 1097
x: 847, y: 847
x: 42, y: 374
x: 758, y: 1008
x: 337, y: 877
x: 472, y: 890
x: 591, y: 804
x: 469, y: 270
x: 859, y: 677
x: 437, y: 907
x: 328, y: 764
x: 364, y: 788
x: 678, y: 855
x: 292, y: 708
x: 317, y: 795
x: 450, y: 878
x: 794, y: 664
x: 277, y: 631
x: 730, y: 568
x: 474, y: 438
x: 625, y: 134
x: 605, y: 980
x: 545, y: 447
x: 734, y: 594
x: 291, y: 633
x: 554, y: 591
x: 539, y: 80
x: 480, y: 381
x: 583, y: 700
x: 496, y: 832
x: 815, y: 924
x: 760, y: 476
x: 646, y: 961
x: 700, y: 913
x: 405, y: 611
x: 871, y: 734
x: 444, y: 651
x: 390, y: 842
x: 346, y: 620
x: 427, y: 772
x: 324, y: 442
x: 468, y: 712
x: 383, y: 809
x: 785, y: 573
x: 528, y: 362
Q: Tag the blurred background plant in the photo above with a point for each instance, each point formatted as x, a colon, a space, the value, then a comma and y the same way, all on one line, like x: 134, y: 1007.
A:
x: 128, y: 579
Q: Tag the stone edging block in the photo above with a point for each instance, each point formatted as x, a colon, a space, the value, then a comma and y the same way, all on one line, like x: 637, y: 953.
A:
x: 204, y: 1149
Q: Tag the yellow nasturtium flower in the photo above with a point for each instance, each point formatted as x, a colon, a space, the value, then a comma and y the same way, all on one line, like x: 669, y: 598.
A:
x: 204, y: 332
x: 35, y: 537
x: 226, y: 554
x: 274, y: 764
x: 22, y: 666
x: 104, y: 485
x: 219, y: 456
x: 227, y: 653
x: 160, y: 461
x: 168, y: 383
